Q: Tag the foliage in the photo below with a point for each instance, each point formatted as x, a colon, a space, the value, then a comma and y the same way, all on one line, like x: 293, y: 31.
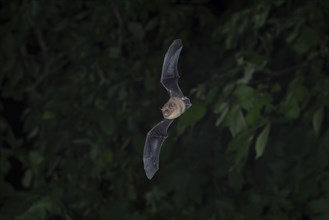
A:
x: 80, y: 88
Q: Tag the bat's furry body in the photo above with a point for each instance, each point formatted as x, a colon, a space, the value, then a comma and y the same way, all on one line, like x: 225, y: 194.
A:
x: 173, y: 108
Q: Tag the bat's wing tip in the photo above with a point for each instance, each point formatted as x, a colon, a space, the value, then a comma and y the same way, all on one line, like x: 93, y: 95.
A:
x: 149, y: 175
x: 150, y: 167
x: 178, y: 41
x: 177, y: 44
x: 150, y: 172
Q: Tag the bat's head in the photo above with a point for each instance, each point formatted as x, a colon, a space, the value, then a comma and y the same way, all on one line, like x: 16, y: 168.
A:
x: 173, y: 108
x: 168, y: 109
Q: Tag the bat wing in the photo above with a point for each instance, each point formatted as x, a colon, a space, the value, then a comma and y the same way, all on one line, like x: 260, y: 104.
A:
x: 154, y: 140
x: 170, y: 75
x: 187, y: 102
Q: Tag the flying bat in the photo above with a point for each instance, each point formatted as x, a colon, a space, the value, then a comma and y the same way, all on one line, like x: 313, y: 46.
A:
x: 175, y: 107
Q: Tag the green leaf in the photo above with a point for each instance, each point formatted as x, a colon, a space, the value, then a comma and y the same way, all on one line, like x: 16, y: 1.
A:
x: 317, y: 120
x: 307, y: 39
x: 248, y: 73
x: 107, y: 156
x: 278, y: 2
x: 114, y: 52
x: 262, y: 140
x: 296, y: 99
x: 136, y: 29
x: 193, y: 114
x: 276, y: 88
x: 4, y: 166
x: 7, y: 47
x: 151, y: 24
x: 240, y: 145
x: 246, y: 96
x: 40, y: 209
x: 48, y: 115
x: 212, y: 95
x: 228, y: 89
x: 200, y: 90
x: 235, y: 179
x: 235, y: 121
x: 27, y: 179
x: 33, y: 133
x: 293, y: 111
x: 240, y: 140
x: 106, y: 123
x: 259, y: 19
x: 35, y: 157
x: 319, y: 206
x: 224, y: 110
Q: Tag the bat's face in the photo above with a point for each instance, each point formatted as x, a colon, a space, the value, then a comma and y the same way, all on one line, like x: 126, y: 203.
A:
x: 173, y: 108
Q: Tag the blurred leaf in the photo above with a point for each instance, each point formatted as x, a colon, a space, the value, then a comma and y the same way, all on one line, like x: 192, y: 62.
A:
x: 4, y: 165
x: 276, y: 88
x: 33, y: 133
x: 39, y: 210
x: 293, y: 111
x: 279, y: 2
x: 248, y: 73
x: 262, y: 141
x: 235, y: 121
x: 240, y: 140
x: 48, y: 115
x: 35, y: 157
x: 8, y: 48
x: 199, y: 90
x: 260, y: 18
x: 212, y: 95
x: 317, y: 120
x: 235, y: 180
x: 107, y: 156
x: 136, y: 30
x: 297, y: 94
x: 193, y: 114
x: 114, y: 52
x: 240, y: 145
x: 246, y: 96
x: 27, y: 179
x: 319, y: 206
x: 151, y: 24
x: 106, y: 123
x: 241, y: 156
x: 307, y: 39
x: 223, y: 108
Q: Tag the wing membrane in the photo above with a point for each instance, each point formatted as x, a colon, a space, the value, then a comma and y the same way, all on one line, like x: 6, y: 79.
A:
x: 154, y: 140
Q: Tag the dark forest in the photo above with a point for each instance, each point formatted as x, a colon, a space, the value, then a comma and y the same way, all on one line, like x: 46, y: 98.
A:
x: 80, y: 88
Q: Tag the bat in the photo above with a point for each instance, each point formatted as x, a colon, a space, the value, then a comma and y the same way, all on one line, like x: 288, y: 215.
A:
x: 174, y: 108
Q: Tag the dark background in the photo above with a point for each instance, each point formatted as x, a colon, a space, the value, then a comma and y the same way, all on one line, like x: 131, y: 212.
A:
x: 80, y: 89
